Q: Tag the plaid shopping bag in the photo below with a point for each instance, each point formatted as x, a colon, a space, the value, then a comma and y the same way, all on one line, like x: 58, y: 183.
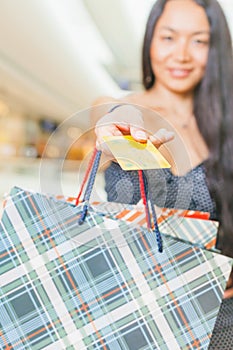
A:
x: 102, y: 284
x: 187, y: 225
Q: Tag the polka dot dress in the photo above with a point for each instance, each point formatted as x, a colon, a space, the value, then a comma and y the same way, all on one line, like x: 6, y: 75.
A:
x: 166, y: 190
x: 222, y: 337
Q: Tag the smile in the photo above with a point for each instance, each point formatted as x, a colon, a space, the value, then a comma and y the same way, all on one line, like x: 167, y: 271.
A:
x: 179, y: 73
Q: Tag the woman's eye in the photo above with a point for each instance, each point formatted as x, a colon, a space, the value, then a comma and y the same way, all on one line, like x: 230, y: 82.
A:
x: 201, y: 42
x: 167, y: 38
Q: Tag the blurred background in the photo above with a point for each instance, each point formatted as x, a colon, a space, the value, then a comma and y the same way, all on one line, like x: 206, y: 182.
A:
x: 56, y: 58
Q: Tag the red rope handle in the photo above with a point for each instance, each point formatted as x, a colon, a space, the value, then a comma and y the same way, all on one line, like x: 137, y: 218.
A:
x: 90, y: 177
x: 143, y: 196
x: 90, y: 164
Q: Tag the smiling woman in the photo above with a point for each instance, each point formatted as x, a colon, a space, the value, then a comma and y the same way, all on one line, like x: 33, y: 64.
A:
x: 188, y: 80
x: 179, y: 52
x: 185, y: 64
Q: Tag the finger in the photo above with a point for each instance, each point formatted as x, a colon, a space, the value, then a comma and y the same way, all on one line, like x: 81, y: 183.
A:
x: 109, y: 130
x: 161, y: 136
x: 123, y: 127
x: 138, y: 134
x: 102, y: 131
x: 129, y: 120
x: 230, y: 282
x: 228, y: 293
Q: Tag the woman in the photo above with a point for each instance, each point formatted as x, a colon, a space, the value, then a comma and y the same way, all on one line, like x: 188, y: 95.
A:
x: 188, y: 80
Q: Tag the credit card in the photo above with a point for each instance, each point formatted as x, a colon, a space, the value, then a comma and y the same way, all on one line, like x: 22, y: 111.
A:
x: 133, y: 155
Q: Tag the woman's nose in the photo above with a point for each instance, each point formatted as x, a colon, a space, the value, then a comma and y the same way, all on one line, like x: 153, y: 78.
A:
x: 181, y: 52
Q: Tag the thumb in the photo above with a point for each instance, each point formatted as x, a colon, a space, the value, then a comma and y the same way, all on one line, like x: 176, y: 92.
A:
x: 138, y: 134
x: 161, y: 136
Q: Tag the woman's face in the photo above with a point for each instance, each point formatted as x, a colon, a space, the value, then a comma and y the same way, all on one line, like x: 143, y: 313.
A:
x: 180, y: 46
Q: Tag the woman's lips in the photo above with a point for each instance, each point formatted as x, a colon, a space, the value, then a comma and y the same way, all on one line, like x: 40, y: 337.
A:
x: 179, y: 72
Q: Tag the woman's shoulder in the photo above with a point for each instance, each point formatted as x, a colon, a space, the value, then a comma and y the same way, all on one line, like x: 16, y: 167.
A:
x: 142, y: 99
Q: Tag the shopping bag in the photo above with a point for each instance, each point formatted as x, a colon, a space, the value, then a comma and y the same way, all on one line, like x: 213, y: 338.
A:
x: 67, y: 286
x: 101, y: 283
x: 187, y: 225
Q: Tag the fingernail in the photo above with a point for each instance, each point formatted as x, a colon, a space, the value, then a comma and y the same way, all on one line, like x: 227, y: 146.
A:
x: 169, y: 134
x: 140, y: 135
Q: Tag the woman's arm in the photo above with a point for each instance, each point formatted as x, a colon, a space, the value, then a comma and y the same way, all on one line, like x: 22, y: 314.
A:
x: 229, y: 290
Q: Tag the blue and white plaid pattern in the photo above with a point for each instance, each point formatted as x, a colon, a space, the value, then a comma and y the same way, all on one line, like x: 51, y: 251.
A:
x: 173, y: 222
x: 101, y: 285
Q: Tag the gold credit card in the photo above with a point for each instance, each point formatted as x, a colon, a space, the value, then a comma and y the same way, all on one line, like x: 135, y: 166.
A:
x: 133, y: 155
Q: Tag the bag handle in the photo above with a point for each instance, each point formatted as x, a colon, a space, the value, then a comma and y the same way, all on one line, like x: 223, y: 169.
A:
x: 89, y: 167
x: 146, y: 202
x: 89, y: 179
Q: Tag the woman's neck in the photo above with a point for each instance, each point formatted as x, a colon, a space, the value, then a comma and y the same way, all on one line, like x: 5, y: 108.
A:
x: 172, y: 103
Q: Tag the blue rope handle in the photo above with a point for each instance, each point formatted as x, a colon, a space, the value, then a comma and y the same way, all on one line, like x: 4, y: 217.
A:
x: 88, y: 192
x: 89, y: 187
x: 156, y: 228
x: 154, y: 217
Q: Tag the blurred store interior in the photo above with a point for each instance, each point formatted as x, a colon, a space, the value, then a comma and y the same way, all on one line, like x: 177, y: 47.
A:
x: 56, y: 58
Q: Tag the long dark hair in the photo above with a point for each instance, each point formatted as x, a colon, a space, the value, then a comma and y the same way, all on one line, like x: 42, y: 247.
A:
x: 213, y: 109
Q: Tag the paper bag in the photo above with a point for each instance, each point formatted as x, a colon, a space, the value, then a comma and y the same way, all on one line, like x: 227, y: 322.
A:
x: 102, y: 284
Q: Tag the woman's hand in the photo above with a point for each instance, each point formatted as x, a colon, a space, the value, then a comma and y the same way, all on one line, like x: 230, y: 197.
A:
x: 161, y: 136
x: 229, y: 290
x: 127, y: 120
